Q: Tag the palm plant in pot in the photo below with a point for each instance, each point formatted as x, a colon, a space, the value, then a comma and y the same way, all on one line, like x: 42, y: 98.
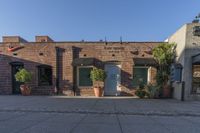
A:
x: 164, y: 55
x: 24, y: 76
x: 98, y: 76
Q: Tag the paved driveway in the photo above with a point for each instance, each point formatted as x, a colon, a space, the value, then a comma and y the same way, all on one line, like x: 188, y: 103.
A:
x: 44, y: 114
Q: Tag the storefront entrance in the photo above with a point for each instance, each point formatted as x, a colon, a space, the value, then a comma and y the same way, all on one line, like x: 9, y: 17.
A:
x: 113, y: 80
x: 15, y: 67
x: 196, y: 79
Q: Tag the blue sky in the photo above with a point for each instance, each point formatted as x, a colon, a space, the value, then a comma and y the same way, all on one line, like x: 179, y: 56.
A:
x: 92, y: 20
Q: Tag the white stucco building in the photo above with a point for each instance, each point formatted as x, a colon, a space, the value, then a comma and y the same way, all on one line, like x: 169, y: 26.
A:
x: 187, y: 39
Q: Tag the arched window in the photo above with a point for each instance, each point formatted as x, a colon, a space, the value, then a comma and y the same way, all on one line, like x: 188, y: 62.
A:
x: 44, y: 75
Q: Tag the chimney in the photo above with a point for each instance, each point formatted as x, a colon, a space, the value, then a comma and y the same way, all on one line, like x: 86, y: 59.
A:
x: 43, y: 39
x: 14, y: 39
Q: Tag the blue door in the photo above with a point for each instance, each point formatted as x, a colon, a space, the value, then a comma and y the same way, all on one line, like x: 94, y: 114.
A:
x: 113, y: 80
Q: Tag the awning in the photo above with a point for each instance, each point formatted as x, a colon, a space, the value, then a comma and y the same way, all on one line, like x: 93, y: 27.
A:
x: 144, y: 62
x: 177, y: 65
x: 196, y: 59
x: 16, y: 63
x: 83, y: 62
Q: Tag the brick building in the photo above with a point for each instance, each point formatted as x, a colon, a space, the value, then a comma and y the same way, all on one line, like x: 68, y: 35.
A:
x: 65, y: 66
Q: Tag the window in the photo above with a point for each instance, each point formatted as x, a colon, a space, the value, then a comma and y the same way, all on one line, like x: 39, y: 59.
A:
x: 196, y: 31
x: 176, y: 72
x: 196, y: 79
x: 140, y: 75
x: 84, y: 76
x: 44, y: 75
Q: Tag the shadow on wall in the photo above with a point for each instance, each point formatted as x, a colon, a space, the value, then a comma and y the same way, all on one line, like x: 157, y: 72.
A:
x: 126, y: 81
x: 63, y: 86
x: 32, y: 66
x: 188, y: 59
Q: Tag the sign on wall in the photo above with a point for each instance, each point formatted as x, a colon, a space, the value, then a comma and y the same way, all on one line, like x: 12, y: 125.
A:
x: 111, y: 49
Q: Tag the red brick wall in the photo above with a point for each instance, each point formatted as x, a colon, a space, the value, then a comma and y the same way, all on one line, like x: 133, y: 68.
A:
x: 153, y: 72
x: 11, y: 39
x: 29, y: 55
x: 43, y: 39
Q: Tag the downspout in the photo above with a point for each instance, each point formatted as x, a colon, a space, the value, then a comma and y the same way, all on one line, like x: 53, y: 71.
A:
x: 57, y: 71
x: 183, y: 91
x: 74, y: 71
x: 75, y: 54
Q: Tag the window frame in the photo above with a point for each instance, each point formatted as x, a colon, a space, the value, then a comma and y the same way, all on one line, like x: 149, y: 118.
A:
x: 39, y: 74
x: 194, y: 90
x: 78, y: 76
x: 148, y: 73
x: 196, y: 31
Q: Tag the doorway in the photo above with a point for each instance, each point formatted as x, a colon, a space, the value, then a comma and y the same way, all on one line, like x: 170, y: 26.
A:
x: 15, y: 67
x: 113, y: 80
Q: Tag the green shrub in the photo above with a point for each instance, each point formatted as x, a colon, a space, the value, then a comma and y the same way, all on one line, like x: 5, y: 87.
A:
x: 140, y: 93
x: 23, y: 76
x: 97, y: 75
x: 152, y: 91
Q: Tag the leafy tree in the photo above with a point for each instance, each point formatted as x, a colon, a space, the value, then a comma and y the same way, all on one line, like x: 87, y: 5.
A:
x: 164, y: 54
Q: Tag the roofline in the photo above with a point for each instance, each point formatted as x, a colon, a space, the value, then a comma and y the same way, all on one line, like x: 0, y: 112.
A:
x: 107, y: 42
x: 90, y: 42
x: 180, y: 27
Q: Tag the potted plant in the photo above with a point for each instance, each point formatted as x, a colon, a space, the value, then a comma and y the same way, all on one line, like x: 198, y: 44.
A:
x: 140, y: 91
x: 152, y: 91
x: 24, y: 76
x: 98, y: 76
x: 164, y: 54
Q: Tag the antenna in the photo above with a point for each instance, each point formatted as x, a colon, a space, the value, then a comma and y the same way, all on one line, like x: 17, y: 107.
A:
x: 121, y: 39
x: 196, y: 20
x: 105, y: 40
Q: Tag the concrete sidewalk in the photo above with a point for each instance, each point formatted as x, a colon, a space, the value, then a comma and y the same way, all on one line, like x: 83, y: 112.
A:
x: 50, y: 114
x: 106, y: 105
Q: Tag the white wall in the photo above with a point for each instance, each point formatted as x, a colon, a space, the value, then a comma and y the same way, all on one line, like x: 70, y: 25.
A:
x: 179, y: 37
x: 187, y: 46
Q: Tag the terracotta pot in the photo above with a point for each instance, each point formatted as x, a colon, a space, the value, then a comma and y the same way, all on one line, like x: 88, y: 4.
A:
x: 25, y: 90
x: 98, y: 91
x: 166, y: 91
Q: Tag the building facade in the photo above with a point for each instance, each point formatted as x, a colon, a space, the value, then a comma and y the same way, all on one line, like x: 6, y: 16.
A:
x: 187, y: 39
x: 65, y: 67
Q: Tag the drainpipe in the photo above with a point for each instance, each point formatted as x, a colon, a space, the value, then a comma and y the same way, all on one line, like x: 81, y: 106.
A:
x: 183, y: 91
x: 57, y: 70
